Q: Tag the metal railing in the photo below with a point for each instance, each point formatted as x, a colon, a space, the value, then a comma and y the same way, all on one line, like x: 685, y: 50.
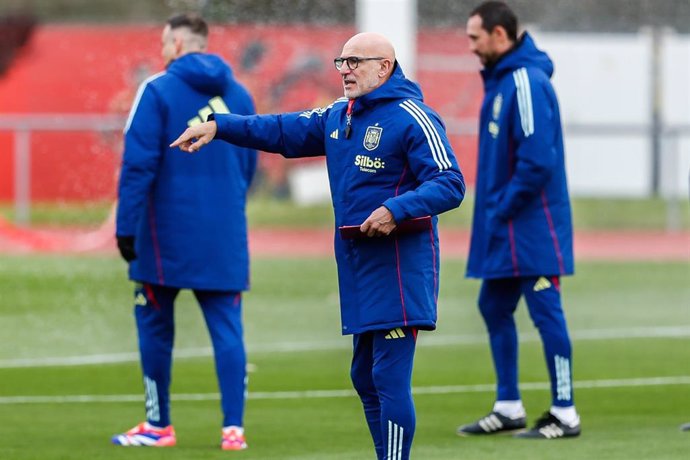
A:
x: 22, y: 125
x: 25, y: 124
x: 672, y: 136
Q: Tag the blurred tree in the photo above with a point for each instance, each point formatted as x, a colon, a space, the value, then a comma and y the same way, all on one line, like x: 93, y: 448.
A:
x: 572, y: 16
x: 560, y: 15
x: 14, y: 33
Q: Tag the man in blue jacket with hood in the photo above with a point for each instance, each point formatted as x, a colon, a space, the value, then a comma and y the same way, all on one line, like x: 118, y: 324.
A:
x: 521, y: 232
x: 389, y: 161
x: 181, y: 224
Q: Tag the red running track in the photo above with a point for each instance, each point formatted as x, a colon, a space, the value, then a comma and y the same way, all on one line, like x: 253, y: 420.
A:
x: 617, y: 246
x: 632, y: 245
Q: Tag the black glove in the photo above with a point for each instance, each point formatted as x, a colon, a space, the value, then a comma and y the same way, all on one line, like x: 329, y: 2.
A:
x: 126, y: 246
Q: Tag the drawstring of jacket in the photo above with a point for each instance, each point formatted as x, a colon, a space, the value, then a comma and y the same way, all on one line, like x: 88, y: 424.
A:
x: 348, y: 115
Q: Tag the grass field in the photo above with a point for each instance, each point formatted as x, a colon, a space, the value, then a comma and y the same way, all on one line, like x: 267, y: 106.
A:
x: 630, y: 325
x: 262, y: 212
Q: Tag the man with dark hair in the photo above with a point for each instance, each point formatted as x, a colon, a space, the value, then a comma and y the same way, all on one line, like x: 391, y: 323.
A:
x: 521, y: 232
x: 181, y: 224
x: 197, y: 27
x: 392, y: 170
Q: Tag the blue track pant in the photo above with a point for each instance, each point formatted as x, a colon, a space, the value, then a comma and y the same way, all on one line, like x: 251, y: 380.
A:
x: 381, y: 373
x: 498, y: 300
x: 154, y: 313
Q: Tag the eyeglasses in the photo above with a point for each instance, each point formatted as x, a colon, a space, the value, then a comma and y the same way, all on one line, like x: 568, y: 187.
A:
x: 352, y: 61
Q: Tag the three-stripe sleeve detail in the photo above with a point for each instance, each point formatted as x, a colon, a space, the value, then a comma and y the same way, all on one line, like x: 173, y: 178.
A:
x: 438, y: 150
x: 524, y: 98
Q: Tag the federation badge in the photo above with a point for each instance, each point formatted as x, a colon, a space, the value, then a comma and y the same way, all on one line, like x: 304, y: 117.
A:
x: 372, y: 137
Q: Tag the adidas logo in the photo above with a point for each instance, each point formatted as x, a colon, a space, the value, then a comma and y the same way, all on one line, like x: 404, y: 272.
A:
x: 334, y: 134
x: 491, y: 423
x: 140, y: 299
x: 215, y: 105
x: 396, y: 333
x: 551, y: 431
x: 541, y: 284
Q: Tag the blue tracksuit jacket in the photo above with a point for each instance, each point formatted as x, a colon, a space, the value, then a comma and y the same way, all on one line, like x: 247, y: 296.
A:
x: 186, y: 211
x: 397, y: 155
x: 522, y: 220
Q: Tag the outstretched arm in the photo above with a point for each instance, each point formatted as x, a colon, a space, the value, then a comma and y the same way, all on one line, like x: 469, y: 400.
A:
x: 293, y: 135
x: 195, y: 137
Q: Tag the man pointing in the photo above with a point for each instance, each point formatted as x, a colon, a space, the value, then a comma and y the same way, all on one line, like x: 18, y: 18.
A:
x: 389, y: 161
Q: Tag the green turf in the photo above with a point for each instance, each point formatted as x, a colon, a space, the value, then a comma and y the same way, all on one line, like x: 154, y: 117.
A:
x: 63, y: 214
x: 643, y: 214
x: 263, y: 211
x: 70, y: 306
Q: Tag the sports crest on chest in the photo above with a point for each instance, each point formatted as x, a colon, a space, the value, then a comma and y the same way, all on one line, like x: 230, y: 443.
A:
x: 372, y: 137
x: 496, y: 106
x: 371, y: 141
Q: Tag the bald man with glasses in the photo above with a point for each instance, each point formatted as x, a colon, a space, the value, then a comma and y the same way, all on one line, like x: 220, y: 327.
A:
x: 391, y: 170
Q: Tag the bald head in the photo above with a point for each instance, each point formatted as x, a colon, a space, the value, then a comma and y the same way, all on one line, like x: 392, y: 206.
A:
x: 369, y: 44
x: 376, y: 59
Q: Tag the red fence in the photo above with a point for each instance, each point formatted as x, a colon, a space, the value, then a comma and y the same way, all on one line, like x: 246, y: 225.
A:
x: 96, y: 70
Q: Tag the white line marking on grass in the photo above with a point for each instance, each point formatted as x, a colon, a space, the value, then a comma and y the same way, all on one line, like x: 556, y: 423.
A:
x: 320, y: 394
x: 578, y: 384
x: 105, y: 358
x: 426, y: 340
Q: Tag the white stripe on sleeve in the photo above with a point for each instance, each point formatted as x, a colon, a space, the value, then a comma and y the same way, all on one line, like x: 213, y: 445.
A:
x: 137, y: 99
x: 524, y: 97
x: 438, y: 150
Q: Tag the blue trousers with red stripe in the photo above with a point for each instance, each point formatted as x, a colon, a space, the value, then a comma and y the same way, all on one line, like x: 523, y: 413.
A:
x: 154, y: 313
x: 498, y: 299
x: 381, y: 373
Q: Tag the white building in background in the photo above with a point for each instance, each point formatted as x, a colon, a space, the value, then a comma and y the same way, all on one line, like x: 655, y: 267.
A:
x: 606, y: 85
x: 397, y: 20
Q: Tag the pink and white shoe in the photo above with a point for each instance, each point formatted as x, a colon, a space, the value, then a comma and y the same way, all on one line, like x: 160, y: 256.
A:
x: 145, y: 435
x: 233, y: 438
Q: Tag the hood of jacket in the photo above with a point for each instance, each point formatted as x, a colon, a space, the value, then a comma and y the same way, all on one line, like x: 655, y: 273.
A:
x: 397, y: 87
x: 524, y: 54
x: 207, y: 73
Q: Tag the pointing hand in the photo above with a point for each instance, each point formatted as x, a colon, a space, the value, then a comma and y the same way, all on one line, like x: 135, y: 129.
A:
x: 196, y: 137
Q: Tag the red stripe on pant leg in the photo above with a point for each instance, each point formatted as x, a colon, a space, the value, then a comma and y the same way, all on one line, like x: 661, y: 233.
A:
x: 151, y: 296
x: 556, y: 281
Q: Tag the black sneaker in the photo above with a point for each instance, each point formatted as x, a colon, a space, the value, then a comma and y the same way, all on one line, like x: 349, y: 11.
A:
x: 492, y: 423
x: 685, y: 427
x: 549, y: 427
